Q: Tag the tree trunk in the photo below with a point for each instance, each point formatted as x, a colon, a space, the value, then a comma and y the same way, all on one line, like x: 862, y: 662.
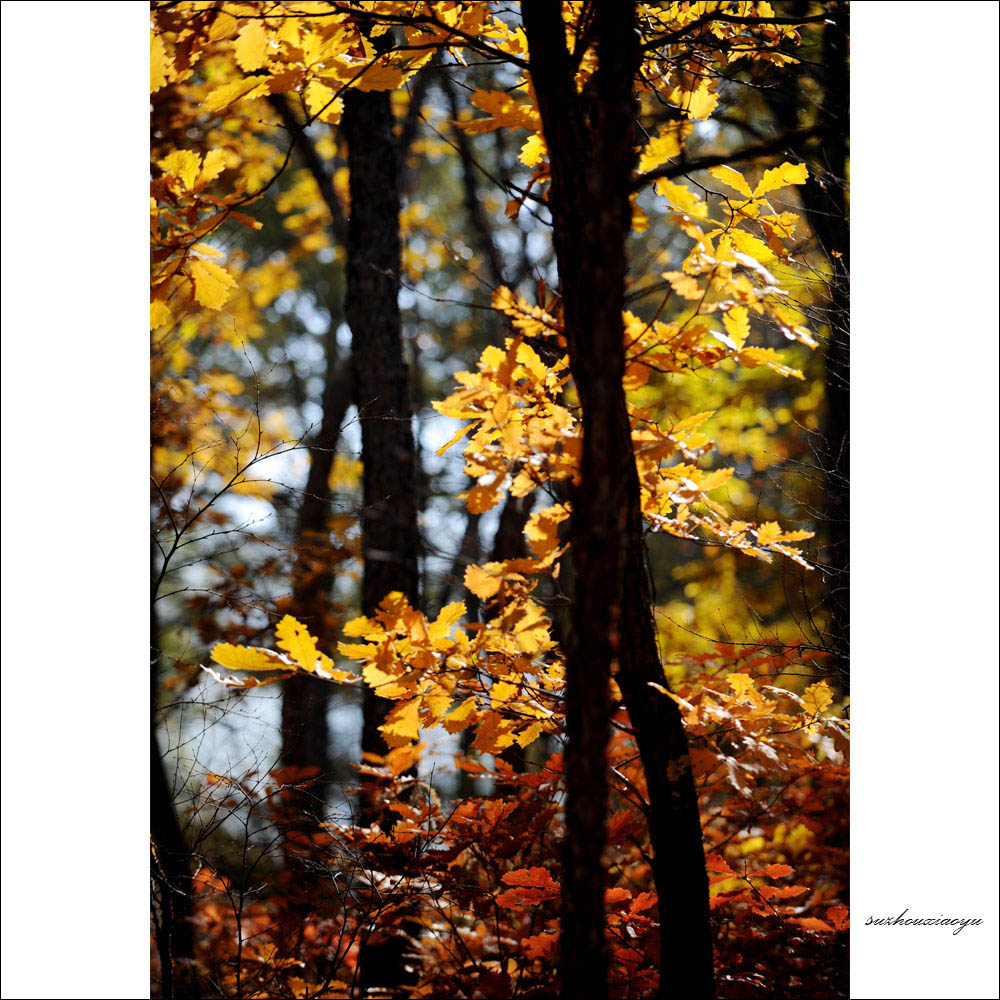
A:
x: 826, y: 204
x: 390, y: 542
x: 170, y: 866
x: 389, y: 518
x: 305, y: 736
x: 611, y: 615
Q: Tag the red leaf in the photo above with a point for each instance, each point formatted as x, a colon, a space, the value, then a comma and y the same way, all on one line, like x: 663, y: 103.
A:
x: 778, y: 871
x: 643, y: 902
x: 536, y: 878
x: 812, y: 924
x: 717, y: 863
x: 540, y: 945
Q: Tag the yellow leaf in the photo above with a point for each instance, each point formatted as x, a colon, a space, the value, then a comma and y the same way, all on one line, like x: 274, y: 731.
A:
x: 684, y: 284
x: 737, y: 324
x: 363, y: 627
x: 250, y: 47
x: 502, y: 691
x: 383, y: 684
x: 462, y: 431
x: 715, y: 479
x: 542, y: 529
x: 294, y: 638
x: 215, y: 163
x: 779, y: 177
x: 753, y: 357
x: 483, y: 496
x: 380, y: 77
x: 533, y: 151
x: 222, y: 97
x: 327, y: 671
x: 740, y: 683
x: 700, y: 103
x: 322, y: 104
x: 356, y: 650
x: 733, y: 178
x: 751, y: 247
x: 450, y: 614
x: 682, y: 199
x: 159, y: 64
x: 768, y: 532
x: 481, y: 582
x: 248, y: 658
x: 636, y: 376
x: 211, y: 283
x: 528, y: 735
x: 183, y: 163
x: 665, y: 145
x: 817, y: 697
x: 505, y: 112
x: 403, y: 723
x: 159, y: 315
x: 461, y: 717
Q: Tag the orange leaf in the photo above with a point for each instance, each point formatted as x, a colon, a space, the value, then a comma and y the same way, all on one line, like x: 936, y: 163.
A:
x: 778, y: 871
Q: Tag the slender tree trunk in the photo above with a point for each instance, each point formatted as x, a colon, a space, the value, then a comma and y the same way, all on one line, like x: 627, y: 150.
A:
x: 826, y: 204
x: 829, y: 214
x: 305, y: 736
x: 611, y: 615
x: 390, y: 541
x: 170, y: 867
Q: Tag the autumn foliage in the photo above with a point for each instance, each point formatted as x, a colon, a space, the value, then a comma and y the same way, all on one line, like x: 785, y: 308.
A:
x: 436, y: 866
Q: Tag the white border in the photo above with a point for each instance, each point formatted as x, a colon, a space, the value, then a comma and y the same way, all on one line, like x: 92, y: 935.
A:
x: 74, y: 437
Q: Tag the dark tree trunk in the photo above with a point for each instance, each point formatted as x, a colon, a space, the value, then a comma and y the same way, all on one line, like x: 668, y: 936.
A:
x: 170, y: 866
x: 305, y: 736
x: 509, y: 543
x: 390, y: 542
x: 389, y: 517
x: 611, y: 615
x: 828, y: 212
x: 826, y: 203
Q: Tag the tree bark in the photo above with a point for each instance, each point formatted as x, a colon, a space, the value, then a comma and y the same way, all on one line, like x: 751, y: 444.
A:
x: 827, y: 209
x: 305, y: 735
x: 611, y: 615
x: 170, y: 866
x: 389, y: 518
x: 390, y: 540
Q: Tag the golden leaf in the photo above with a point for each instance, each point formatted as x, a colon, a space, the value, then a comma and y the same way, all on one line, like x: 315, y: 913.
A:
x: 817, y: 697
x: 294, y: 638
x: 665, y: 145
x: 533, y: 151
x: 768, y: 532
x: 483, y: 581
x: 403, y: 723
x: 251, y: 46
x: 379, y: 77
x: 159, y: 64
x: 211, y: 283
x: 737, y: 325
x: 779, y: 177
x: 461, y: 717
x: 248, y: 658
x: 222, y: 97
x: 733, y: 178
x: 183, y: 163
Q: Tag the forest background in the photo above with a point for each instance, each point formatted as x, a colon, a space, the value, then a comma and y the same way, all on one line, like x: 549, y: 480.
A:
x: 84, y: 693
